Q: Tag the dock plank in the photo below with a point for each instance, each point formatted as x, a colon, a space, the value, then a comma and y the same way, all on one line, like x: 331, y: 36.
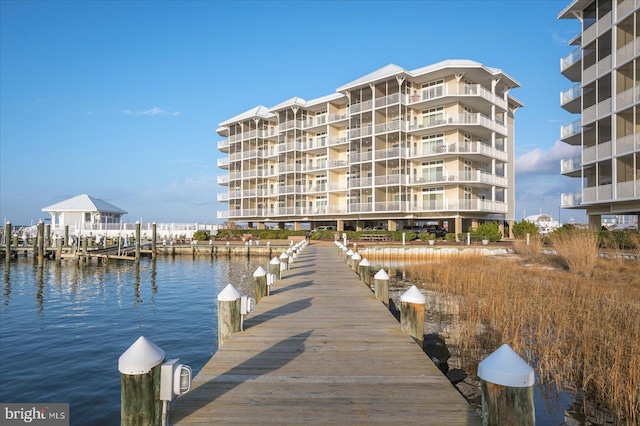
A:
x: 321, y: 349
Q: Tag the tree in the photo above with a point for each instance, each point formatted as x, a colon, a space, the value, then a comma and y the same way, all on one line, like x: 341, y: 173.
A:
x: 524, y: 227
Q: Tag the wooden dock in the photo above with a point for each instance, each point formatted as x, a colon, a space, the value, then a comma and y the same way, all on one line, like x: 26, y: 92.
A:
x: 321, y: 349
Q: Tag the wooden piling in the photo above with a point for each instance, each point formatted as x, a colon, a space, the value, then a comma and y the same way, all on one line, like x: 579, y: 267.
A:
x: 66, y: 235
x: 154, y: 236
x: 506, y: 382
x: 7, y: 240
x: 47, y: 235
x: 229, y: 318
x: 274, y: 267
x: 381, y: 286
x: 260, y: 283
x: 365, y: 271
x: 355, y: 261
x: 40, y: 243
x: 140, y: 367
x: 137, y: 242
x: 412, y: 304
x: 284, y: 260
x: 58, y: 250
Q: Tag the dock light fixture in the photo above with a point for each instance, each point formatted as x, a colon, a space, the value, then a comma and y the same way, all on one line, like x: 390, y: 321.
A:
x: 175, y: 381
x: 247, y: 305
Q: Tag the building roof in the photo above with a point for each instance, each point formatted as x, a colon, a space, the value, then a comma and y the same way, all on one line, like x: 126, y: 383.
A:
x: 83, y: 203
x: 382, y: 73
x: 260, y: 112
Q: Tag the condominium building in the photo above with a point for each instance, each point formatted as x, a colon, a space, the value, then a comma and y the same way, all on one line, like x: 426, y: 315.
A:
x: 392, y: 149
x: 606, y: 70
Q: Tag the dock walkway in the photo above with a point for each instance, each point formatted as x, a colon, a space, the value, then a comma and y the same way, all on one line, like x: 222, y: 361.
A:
x: 321, y: 349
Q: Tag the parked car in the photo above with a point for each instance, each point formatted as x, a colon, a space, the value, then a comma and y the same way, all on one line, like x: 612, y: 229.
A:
x: 324, y: 228
x: 435, y: 229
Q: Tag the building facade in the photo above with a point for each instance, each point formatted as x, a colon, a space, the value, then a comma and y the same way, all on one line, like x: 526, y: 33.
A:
x: 391, y: 149
x: 604, y: 67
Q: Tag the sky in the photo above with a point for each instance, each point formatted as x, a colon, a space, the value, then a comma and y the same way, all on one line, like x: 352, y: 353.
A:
x: 121, y: 99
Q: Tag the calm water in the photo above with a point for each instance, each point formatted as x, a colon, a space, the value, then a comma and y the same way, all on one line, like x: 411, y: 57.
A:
x: 63, y: 328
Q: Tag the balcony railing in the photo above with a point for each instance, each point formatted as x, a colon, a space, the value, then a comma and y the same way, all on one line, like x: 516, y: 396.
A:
x: 572, y: 58
x: 628, y: 98
x: 570, y: 165
x: 461, y: 89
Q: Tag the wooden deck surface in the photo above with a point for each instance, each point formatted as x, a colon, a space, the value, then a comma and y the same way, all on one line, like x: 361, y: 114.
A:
x: 321, y: 349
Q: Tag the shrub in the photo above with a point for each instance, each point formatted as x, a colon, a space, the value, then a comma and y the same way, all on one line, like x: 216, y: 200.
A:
x: 524, y: 227
x: 451, y: 237
x: 489, y: 231
x: 201, y: 235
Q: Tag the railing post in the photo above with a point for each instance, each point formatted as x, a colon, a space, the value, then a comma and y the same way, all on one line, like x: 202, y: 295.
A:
x: 260, y: 283
x: 412, y: 304
x: 139, y: 368
x: 507, y: 389
x: 229, y: 318
x: 381, y: 286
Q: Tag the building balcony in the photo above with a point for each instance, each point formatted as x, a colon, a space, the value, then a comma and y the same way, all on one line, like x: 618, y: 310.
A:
x: 625, y: 8
x: 468, y: 91
x: 627, y: 52
x: 597, y: 70
x: 628, y: 144
x: 598, y: 28
x: 596, y: 153
x: 571, y: 167
x: 477, y: 123
x: 223, y: 180
x: 477, y: 149
x: 571, y: 65
x: 222, y: 197
x: 223, y: 163
x: 628, y: 98
x: 596, y: 112
x: 571, y: 200
x: 223, y: 146
x: 570, y: 99
x: 571, y: 133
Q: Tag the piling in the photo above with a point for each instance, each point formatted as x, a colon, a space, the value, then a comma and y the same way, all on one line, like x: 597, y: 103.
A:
x: 348, y: 256
x: 66, y: 235
x: 507, y: 389
x: 40, y: 243
x: 381, y: 286
x: 7, y: 240
x: 284, y: 260
x: 154, y: 235
x: 139, y: 368
x: 138, y: 242
x: 229, y: 318
x: 47, y: 235
x: 58, y: 250
x: 365, y: 271
x: 412, y: 304
x: 260, y: 283
x: 355, y: 261
x: 274, y: 267
x: 85, y: 248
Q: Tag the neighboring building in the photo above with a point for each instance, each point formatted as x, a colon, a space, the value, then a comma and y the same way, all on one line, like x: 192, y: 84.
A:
x: 544, y: 222
x: 606, y: 71
x: 84, y: 212
x: 387, y: 149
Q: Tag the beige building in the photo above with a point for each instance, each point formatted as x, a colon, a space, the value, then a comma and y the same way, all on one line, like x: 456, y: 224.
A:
x: 605, y: 69
x: 393, y: 149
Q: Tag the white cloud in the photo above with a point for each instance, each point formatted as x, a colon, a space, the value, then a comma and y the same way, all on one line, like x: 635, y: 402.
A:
x: 542, y: 162
x: 152, y: 111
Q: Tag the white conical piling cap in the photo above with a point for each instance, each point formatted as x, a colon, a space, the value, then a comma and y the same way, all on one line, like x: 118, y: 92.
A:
x: 349, y: 252
x: 380, y: 275
x: 505, y: 367
x: 284, y: 256
x: 274, y: 261
x: 260, y: 272
x: 140, y: 358
x: 364, y: 262
x: 356, y: 256
x: 229, y: 294
x: 289, y: 251
x: 413, y: 295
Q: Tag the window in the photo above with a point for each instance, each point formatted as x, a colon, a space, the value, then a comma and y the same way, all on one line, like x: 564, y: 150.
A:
x: 433, y: 144
x: 433, y: 117
x: 87, y: 217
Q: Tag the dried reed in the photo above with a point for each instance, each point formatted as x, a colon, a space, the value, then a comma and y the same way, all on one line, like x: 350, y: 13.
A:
x: 580, y: 334
x: 578, y: 249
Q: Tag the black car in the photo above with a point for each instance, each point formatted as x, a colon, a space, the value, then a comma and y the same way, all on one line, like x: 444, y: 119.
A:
x: 435, y: 229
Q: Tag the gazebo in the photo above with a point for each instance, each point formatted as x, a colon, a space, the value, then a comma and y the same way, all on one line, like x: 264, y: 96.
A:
x: 84, y: 212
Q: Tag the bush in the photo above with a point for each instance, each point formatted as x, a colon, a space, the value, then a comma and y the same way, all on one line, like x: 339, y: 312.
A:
x: 450, y: 237
x: 524, y: 227
x: 201, y: 235
x: 489, y: 231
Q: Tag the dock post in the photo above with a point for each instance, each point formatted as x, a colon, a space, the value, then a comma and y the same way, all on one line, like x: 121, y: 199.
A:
x: 154, y: 236
x: 274, y: 267
x: 140, y: 367
x: 137, y: 241
x: 47, y: 235
x: 412, y: 304
x: 507, y: 389
x: 7, y: 240
x: 381, y: 286
x: 85, y: 248
x: 228, y: 250
x: 348, y: 257
x: 260, y: 283
x: 58, y: 251
x: 365, y: 271
x: 355, y: 261
x: 284, y: 260
x: 66, y: 235
x: 40, y: 243
x: 229, y: 314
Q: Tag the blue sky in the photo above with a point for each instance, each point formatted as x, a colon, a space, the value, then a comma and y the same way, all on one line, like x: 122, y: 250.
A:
x: 121, y: 100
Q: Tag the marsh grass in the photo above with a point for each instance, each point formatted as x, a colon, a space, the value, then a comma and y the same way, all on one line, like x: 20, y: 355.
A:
x: 580, y: 333
x: 532, y: 251
x: 578, y: 249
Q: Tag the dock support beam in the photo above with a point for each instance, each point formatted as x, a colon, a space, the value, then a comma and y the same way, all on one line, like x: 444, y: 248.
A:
x: 412, y: 304
x: 229, y: 318
x: 138, y: 242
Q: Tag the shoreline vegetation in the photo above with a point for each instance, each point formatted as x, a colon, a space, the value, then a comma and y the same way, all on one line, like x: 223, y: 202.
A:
x: 574, y: 316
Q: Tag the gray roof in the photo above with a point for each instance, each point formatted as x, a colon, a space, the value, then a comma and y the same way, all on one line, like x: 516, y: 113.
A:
x: 83, y: 203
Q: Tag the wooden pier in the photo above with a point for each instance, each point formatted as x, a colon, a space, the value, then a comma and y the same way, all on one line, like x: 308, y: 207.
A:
x: 321, y: 349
